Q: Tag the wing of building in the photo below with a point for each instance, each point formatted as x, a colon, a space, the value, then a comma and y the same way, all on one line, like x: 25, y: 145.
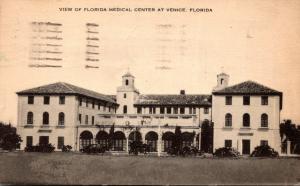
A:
x: 243, y: 115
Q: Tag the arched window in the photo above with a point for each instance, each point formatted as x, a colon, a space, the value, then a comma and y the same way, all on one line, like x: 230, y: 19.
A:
x: 228, y: 120
x: 222, y: 81
x: 126, y: 82
x: 29, y: 118
x: 246, y: 120
x: 61, y: 118
x: 45, y: 118
x: 264, y: 120
x: 125, y: 109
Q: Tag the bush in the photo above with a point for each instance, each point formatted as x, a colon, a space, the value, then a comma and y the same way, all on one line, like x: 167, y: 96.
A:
x: 66, y: 148
x: 138, y: 147
x: 185, y: 151
x: 94, y: 148
x: 264, y: 151
x: 40, y: 148
x: 225, y: 152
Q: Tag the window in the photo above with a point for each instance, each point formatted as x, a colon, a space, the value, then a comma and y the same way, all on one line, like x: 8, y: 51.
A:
x: 169, y: 110
x: 153, y: 110
x: 93, y: 104
x: 125, y: 109
x: 228, y: 100
x: 61, y: 100
x: 246, y: 100
x: 45, y: 118
x: 181, y: 110
x: 228, y: 120
x: 30, y: 100
x: 80, y: 101
x: 162, y: 110
x: 126, y: 82
x: 86, y: 119
x: 29, y: 118
x: 87, y: 103
x: 206, y: 110
x: 263, y: 142
x: 175, y: 110
x: 61, y: 118
x: 194, y: 110
x: 264, y: 120
x: 99, y: 106
x: 264, y: 100
x: 190, y: 110
x: 246, y: 120
x: 46, y: 100
x: 79, y: 118
x: 60, y: 142
x: 228, y: 143
x: 93, y: 120
x: 124, y: 95
x: 29, y: 141
x: 139, y: 110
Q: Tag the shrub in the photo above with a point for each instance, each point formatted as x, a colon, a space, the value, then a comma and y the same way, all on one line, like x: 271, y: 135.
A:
x: 224, y: 152
x: 94, y: 148
x: 40, y: 148
x: 138, y: 147
x: 264, y: 151
x: 66, y: 148
x: 185, y: 151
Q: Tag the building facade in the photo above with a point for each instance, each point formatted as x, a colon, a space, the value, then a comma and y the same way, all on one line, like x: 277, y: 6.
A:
x: 64, y: 114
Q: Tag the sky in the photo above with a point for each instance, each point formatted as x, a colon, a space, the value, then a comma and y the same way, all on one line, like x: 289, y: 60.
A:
x: 165, y: 51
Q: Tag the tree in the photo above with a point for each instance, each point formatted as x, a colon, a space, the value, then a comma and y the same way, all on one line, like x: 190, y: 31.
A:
x: 177, y: 140
x: 111, y: 136
x: 9, y: 139
x: 207, y: 136
x: 289, y: 132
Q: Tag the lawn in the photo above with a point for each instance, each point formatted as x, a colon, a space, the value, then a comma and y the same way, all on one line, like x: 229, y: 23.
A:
x: 74, y: 168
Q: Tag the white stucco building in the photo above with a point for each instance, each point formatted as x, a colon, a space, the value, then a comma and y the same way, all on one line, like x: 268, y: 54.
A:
x: 243, y: 115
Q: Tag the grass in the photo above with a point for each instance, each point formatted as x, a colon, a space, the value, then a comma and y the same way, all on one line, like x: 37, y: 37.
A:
x: 74, y: 168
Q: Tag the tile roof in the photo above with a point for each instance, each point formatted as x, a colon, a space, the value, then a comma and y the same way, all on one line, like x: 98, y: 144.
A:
x: 187, y: 99
x: 247, y: 87
x: 128, y: 74
x: 66, y: 88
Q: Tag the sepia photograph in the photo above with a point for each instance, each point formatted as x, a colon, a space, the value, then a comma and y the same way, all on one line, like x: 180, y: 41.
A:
x: 139, y: 92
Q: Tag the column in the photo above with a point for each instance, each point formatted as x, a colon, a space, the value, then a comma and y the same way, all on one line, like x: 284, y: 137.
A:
x: 127, y: 148
x: 199, y: 138
x: 159, y: 141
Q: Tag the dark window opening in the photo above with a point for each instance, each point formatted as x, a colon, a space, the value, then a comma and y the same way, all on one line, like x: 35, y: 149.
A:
x: 29, y: 141
x: 60, y: 142
x: 125, y: 109
x: 182, y: 109
x: 206, y: 110
x: 46, y: 100
x: 264, y: 100
x: 228, y: 100
x: 45, y: 118
x: 30, y: 99
x: 228, y: 143
x: 246, y: 120
x: 29, y: 118
x: 62, y: 100
x: 246, y: 100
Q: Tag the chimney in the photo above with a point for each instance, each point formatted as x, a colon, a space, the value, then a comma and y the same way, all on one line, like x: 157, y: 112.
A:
x: 182, y: 92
